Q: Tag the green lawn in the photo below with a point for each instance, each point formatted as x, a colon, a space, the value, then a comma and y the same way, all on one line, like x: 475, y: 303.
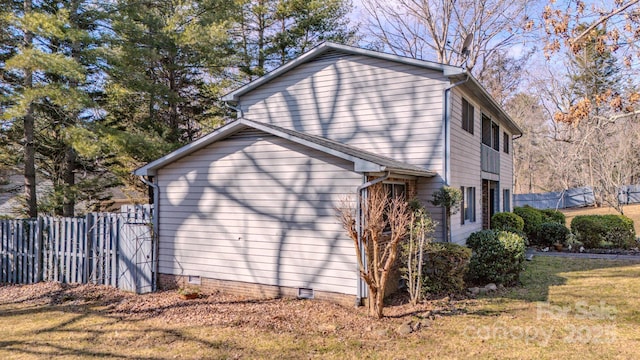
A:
x: 565, y: 309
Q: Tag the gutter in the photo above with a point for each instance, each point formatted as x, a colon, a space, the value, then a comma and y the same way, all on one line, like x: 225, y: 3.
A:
x: 239, y: 113
x: 446, y: 117
x: 361, y: 286
x: 154, y: 220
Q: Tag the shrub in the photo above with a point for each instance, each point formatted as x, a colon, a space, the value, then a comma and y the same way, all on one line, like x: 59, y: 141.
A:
x: 550, y: 233
x: 498, y: 256
x: 596, y: 231
x: 555, y: 216
x: 532, y: 218
x: 507, y: 221
x: 445, y: 268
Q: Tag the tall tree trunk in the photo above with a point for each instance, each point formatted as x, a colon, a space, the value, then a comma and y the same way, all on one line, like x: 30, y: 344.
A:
x: 69, y: 180
x: 29, y: 141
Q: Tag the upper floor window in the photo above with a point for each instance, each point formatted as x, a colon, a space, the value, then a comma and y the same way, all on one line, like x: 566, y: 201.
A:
x: 505, y: 142
x: 490, y: 133
x: 468, y: 114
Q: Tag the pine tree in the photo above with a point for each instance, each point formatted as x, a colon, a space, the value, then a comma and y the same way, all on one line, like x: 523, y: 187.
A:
x: 271, y: 32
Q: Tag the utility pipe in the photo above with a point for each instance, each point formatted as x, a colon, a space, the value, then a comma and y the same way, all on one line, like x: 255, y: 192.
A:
x: 447, y: 142
x: 359, y: 222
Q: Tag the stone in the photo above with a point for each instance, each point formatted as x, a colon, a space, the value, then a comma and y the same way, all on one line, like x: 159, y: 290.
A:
x: 381, y: 333
x: 474, y: 291
x: 491, y: 287
x: 425, y: 323
x: 327, y: 327
x: 404, y: 329
x: 501, y: 287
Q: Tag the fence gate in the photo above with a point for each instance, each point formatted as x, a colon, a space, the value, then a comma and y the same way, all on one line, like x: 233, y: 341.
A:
x: 135, y: 263
x: 113, y: 249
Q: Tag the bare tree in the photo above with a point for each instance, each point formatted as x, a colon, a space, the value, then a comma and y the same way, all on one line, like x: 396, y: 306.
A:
x: 419, y: 29
x: 380, y: 249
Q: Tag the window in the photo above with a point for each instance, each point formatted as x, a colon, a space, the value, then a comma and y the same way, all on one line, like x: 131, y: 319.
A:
x: 468, y: 205
x: 468, y: 114
x: 506, y: 200
x: 496, y: 136
x: 505, y: 141
x: 393, y: 191
x: 490, y: 133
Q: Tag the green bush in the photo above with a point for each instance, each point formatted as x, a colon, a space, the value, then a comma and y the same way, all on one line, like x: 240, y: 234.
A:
x: 550, y: 233
x: 446, y: 266
x: 555, y: 216
x: 507, y: 221
x: 498, y: 256
x: 597, y: 231
x: 532, y: 218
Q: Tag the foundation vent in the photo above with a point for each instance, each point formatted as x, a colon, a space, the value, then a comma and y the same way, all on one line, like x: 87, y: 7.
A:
x: 195, y: 280
x: 304, y: 293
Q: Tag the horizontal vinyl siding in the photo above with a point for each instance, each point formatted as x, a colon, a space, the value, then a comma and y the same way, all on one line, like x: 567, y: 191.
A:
x: 257, y: 208
x: 465, y: 163
x: 388, y: 108
x: 506, y: 171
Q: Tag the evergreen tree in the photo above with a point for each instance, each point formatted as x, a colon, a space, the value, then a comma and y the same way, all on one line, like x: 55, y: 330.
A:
x: 271, y: 32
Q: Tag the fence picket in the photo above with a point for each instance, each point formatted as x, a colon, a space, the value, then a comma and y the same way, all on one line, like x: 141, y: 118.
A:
x: 78, y: 250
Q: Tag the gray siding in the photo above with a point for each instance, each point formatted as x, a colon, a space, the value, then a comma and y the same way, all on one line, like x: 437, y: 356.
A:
x: 388, y: 108
x: 465, y: 163
x: 259, y: 209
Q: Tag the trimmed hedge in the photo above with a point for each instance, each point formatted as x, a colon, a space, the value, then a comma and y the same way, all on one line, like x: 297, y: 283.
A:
x: 550, y: 233
x: 507, y: 221
x: 533, y: 218
x: 601, y: 231
x: 498, y: 256
x: 554, y: 216
x: 446, y: 266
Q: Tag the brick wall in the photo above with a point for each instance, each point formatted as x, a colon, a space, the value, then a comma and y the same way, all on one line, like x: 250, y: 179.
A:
x: 251, y: 290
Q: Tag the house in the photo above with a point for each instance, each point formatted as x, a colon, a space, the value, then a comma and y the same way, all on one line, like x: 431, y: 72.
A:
x: 250, y: 207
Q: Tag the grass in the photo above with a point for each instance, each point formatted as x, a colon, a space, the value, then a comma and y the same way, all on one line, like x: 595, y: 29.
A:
x: 630, y: 211
x: 564, y: 309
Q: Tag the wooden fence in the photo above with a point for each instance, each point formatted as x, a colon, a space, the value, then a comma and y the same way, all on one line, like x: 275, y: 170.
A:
x: 101, y: 248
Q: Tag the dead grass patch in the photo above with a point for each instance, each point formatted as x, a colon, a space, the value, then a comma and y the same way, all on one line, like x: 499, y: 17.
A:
x: 565, y: 308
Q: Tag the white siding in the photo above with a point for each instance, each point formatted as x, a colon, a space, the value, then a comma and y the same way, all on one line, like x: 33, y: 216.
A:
x: 388, y: 108
x: 259, y: 209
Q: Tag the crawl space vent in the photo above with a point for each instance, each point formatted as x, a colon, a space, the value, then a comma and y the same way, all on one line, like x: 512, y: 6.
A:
x: 195, y: 280
x: 304, y: 293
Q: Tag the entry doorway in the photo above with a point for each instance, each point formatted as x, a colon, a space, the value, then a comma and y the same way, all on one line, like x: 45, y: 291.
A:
x: 490, y: 201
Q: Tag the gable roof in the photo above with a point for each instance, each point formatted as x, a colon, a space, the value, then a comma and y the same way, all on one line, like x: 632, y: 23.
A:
x: 363, y: 161
x: 454, y: 73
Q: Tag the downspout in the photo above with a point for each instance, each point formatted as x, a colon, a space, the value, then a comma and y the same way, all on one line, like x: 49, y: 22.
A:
x: 360, y: 287
x: 239, y: 112
x: 154, y: 221
x: 446, y: 115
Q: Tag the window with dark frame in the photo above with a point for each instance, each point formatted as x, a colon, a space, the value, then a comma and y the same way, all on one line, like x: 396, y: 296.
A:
x: 393, y: 190
x: 468, y: 114
x: 490, y: 133
x: 468, y: 213
x: 496, y: 136
x: 505, y: 141
x: 506, y: 200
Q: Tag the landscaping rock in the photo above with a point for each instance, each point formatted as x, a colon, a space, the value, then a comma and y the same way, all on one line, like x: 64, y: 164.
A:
x: 327, y: 328
x: 404, y: 329
x: 425, y: 323
x: 474, y: 291
x: 491, y: 287
x: 381, y: 333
